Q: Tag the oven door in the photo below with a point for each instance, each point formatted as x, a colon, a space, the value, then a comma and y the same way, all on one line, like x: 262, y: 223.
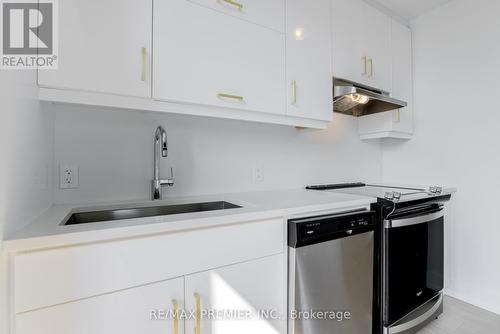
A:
x: 413, y: 260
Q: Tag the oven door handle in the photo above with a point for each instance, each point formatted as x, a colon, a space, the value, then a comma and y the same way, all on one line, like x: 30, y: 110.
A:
x: 392, y: 223
x: 417, y: 321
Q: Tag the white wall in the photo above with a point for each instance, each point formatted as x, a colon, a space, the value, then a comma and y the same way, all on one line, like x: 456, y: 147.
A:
x: 457, y: 71
x: 114, y: 150
x: 456, y: 52
x: 26, y: 146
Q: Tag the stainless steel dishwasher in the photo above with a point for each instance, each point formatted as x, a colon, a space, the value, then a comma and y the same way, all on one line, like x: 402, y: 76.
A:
x: 330, y: 279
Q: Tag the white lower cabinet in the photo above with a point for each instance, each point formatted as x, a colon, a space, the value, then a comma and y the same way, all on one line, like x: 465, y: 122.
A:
x: 255, y: 290
x: 240, y: 298
x: 129, y: 311
x: 55, y: 276
x: 129, y: 286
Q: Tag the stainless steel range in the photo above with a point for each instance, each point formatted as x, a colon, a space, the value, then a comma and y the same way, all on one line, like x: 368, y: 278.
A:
x: 409, y: 241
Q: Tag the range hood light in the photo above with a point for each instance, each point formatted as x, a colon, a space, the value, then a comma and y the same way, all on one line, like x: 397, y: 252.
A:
x: 360, y: 98
x: 357, y: 100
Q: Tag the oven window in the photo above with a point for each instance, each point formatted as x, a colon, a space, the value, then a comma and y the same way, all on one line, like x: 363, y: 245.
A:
x: 414, y: 268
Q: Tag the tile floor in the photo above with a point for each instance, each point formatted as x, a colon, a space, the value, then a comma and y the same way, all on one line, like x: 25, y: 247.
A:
x: 462, y: 318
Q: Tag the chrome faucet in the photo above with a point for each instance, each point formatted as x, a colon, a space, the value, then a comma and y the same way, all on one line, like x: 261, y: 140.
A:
x: 160, y: 148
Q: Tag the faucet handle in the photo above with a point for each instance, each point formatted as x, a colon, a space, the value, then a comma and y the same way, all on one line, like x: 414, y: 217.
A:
x: 170, y: 180
x: 167, y: 182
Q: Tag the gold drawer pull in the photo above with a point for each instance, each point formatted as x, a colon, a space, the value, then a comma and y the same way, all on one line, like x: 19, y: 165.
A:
x: 176, y: 316
x: 370, y: 66
x: 365, y: 65
x: 143, y: 64
x: 294, y: 92
x: 229, y: 96
x: 234, y: 3
x: 197, y: 328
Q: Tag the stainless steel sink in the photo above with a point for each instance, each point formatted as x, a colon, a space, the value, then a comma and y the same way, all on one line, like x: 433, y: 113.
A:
x: 129, y: 213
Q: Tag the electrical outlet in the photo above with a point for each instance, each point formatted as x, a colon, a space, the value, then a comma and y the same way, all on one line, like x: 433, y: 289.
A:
x: 68, y: 176
x: 258, y: 174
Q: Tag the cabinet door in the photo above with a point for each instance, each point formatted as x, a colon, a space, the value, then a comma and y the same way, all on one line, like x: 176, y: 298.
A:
x: 138, y: 310
x: 377, y: 41
x: 402, y: 76
x: 397, y: 123
x: 361, y: 44
x: 248, y: 288
x: 206, y: 57
x: 308, y: 54
x: 104, y: 46
x: 348, y: 34
x: 268, y: 13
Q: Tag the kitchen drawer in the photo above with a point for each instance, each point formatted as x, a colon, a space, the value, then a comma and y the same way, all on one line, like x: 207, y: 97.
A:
x: 214, y: 59
x: 56, y: 276
x: 123, y: 312
x: 268, y: 13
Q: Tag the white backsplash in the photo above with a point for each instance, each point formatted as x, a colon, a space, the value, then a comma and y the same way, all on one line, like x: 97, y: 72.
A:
x: 114, y: 152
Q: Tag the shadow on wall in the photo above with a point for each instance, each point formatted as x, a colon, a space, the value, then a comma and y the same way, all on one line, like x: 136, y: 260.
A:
x: 25, y: 186
x: 114, y: 152
x: 456, y: 137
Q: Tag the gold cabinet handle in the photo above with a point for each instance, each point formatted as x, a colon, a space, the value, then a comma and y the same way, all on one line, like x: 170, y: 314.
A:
x: 397, y: 116
x: 143, y: 64
x: 229, y: 96
x: 294, y: 92
x: 197, y: 328
x: 176, y: 316
x: 234, y: 3
x: 370, y: 66
x: 365, y: 66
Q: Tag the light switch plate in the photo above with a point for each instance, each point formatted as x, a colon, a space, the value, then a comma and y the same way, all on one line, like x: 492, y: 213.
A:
x: 68, y: 176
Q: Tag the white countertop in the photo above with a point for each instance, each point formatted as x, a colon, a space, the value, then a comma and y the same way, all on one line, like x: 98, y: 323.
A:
x: 47, y: 232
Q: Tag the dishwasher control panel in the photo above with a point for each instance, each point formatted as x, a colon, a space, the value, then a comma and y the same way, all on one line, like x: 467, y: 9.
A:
x: 311, y: 230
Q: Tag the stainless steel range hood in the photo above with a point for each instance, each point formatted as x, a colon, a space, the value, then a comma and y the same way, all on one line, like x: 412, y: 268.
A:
x: 358, y: 100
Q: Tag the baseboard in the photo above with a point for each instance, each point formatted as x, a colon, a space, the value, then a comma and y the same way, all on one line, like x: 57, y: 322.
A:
x: 3, y: 293
x: 477, y: 300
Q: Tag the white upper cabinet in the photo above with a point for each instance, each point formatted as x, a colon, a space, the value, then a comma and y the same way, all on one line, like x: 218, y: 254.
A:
x: 397, y: 123
x: 361, y: 44
x: 209, y: 57
x: 378, y: 48
x: 268, y: 13
x: 349, y: 54
x: 235, y: 59
x: 104, y: 46
x: 308, y: 59
x: 402, y: 76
